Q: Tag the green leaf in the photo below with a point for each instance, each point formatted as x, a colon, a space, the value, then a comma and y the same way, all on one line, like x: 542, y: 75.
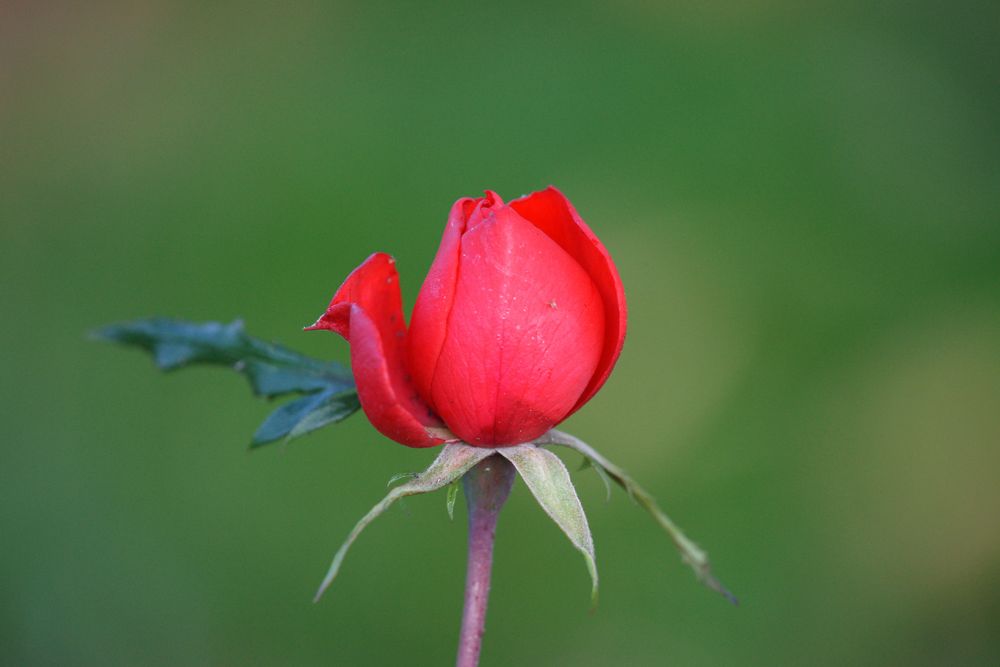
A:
x: 327, y: 387
x: 454, y: 461
x: 547, y: 478
x: 335, y: 407
x: 690, y: 552
x: 305, y: 415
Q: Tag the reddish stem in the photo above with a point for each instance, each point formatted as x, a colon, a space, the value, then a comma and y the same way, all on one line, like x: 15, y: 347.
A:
x: 486, y: 489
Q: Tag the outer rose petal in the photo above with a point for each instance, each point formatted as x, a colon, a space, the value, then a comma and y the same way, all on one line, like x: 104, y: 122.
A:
x: 367, y: 311
x: 551, y: 212
x: 432, y: 311
x: 524, y: 335
x: 429, y: 323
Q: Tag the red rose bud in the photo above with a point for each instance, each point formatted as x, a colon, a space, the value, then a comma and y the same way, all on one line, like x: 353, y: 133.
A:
x: 518, y: 324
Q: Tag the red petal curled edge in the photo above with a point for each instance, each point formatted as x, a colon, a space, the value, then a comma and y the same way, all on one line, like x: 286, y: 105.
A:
x: 367, y: 311
x: 551, y: 212
x: 431, y: 312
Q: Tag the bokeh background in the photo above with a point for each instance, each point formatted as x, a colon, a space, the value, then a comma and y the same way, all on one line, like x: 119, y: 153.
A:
x: 803, y: 201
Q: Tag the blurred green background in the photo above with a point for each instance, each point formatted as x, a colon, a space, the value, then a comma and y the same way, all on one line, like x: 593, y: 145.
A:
x: 804, y: 204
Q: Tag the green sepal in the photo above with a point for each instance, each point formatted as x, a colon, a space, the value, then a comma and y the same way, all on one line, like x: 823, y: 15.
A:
x: 452, y: 497
x: 601, y: 473
x: 454, y: 461
x: 690, y: 552
x: 400, y: 475
x: 547, y: 478
x: 329, y: 395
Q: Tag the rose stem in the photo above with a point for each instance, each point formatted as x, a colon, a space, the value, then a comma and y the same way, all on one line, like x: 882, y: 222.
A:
x: 486, y: 486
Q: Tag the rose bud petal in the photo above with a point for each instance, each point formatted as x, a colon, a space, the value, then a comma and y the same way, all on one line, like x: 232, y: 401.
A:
x: 429, y: 323
x: 367, y: 311
x: 551, y: 212
x: 519, y: 321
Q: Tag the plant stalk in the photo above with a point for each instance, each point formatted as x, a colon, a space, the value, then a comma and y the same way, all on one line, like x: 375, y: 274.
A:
x: 486, y: 487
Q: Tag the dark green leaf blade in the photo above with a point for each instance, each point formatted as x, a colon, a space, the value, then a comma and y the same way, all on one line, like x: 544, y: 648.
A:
x: 271, y: 369
x: 305, y: 415
x: 336, y: 408
x: 281, y: 422
x: 327, y: 388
